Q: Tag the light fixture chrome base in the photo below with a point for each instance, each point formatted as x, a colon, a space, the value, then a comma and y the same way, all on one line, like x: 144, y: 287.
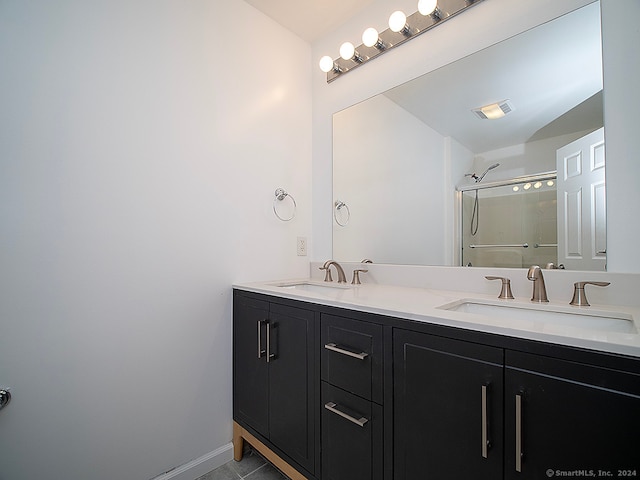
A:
x: 389, y: 39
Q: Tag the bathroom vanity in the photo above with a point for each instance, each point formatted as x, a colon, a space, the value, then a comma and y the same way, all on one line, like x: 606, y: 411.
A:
x: 384, y: 382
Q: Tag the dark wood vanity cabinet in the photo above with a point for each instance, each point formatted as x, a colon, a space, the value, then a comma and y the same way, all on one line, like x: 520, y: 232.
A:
x: 352, y: 397
x: 563, y: 416
x: 274, y: 379
x: 464, y: 410
x: 448, y: 402
x: 346, y: 395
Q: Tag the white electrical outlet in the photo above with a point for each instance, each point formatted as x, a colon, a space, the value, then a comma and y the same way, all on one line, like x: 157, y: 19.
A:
x: 302, y: 246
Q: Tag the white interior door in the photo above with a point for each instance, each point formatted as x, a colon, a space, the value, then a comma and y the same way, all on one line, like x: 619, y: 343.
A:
x: 582, y: 240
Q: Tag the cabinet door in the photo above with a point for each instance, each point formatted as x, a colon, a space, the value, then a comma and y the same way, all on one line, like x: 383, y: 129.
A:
x: 250, y: 370
x: 291, y: 383
x: 448, y: 402
x: 351, y: 436
x: 564, y: 417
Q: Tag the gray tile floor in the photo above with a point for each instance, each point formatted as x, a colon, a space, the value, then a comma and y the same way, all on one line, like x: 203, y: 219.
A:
x: 251, y: 467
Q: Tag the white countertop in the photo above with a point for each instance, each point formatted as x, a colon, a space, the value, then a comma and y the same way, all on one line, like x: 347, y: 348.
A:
x: 421, y: 304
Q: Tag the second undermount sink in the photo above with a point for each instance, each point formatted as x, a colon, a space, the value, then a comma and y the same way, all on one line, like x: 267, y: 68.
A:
x: 569, y: 316
x: 314, y: 287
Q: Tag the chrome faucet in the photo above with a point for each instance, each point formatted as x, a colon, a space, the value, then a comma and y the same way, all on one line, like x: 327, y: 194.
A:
x: 327, y: 266
x: 539, y: 290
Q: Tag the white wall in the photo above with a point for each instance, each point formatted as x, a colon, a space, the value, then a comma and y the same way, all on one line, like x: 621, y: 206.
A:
x: 524, y: 159
x: 621, y: 62
x: 484, y: 25
x: 140, y: 146
x: 394, y: 177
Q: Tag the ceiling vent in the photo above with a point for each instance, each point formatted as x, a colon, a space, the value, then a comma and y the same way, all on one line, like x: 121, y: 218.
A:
x: 495, y: 110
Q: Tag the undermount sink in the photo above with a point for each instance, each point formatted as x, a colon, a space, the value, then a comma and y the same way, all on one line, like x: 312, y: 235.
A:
x: 571, y: 316
x: 315, y: 287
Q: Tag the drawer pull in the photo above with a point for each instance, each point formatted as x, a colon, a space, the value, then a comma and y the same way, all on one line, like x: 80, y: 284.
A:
x: 335, y: 348
x: 332, y: 408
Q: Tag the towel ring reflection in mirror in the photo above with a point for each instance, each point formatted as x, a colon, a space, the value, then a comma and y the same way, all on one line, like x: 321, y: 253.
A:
x: 339, y: 205
x: 280, y: 195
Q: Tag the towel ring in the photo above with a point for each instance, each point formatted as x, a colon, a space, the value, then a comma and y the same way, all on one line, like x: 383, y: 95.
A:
x: 280, y: 196
x: 339, y: 205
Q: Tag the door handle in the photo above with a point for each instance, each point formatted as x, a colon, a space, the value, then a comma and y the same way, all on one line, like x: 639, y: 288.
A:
x: 485, y: 424
x: 266, y: 352
x: 519, y: 433
x: 260, y: 350
x: 270, y: 356
x: 5, y: 398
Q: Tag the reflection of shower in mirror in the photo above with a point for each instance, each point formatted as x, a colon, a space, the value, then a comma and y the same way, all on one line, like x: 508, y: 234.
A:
x: 475, y: 216
x: 477, y: 178
x: 519, y: 226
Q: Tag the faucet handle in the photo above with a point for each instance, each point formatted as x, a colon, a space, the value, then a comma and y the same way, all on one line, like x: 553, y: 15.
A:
x: 356, y: 276
x: 327, y: 274
x: 505, y: 292
x: 579, y: 297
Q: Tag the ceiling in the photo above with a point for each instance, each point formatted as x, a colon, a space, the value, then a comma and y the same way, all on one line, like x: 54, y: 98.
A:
x: 526, y: 69
x: 310, y: 19
x: 552, y: 75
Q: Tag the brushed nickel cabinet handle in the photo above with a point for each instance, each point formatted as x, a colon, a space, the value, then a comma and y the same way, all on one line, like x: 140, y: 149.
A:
x: 270, y: 355
x: 518, y: 433
x: 261, y: 352
x: 485, y: 427
x: 332, y: 407
x: 335, y: 348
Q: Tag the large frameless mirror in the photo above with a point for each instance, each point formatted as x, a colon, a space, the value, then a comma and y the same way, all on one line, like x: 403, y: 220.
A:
x: 401, y: 157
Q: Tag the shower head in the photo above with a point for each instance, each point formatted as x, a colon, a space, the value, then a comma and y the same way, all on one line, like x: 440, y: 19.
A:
x: 479, y: 179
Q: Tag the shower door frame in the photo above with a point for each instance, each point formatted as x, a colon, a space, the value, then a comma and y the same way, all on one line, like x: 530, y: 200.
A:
x: 460, y: 189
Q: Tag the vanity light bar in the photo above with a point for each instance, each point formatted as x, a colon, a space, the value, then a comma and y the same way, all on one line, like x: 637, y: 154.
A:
x: 416, y: 24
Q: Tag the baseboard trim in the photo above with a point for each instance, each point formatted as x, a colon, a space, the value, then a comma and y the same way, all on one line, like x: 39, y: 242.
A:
x: 198, y: 467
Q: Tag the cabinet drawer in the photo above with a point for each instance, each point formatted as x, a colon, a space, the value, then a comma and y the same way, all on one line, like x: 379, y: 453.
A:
x: 351, y: 436
x: 352, y: 356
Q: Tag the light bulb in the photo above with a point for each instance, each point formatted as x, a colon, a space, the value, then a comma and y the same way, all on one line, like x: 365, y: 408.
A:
x: 527, y: 186
x: 516, y: 188
x: 326, y: 64
x: 427, y: 7
x: 370, y: 37
x: 397, y: 21
x: 537, y: 185
x: 550, y: 183
x: 347, y: 51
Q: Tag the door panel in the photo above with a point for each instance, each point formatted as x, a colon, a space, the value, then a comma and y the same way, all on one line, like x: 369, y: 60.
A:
x: 581, y: 203
x: 291, y: 383
x: 568, y: 425
x: 251, y: 376
x: 438, y: 409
